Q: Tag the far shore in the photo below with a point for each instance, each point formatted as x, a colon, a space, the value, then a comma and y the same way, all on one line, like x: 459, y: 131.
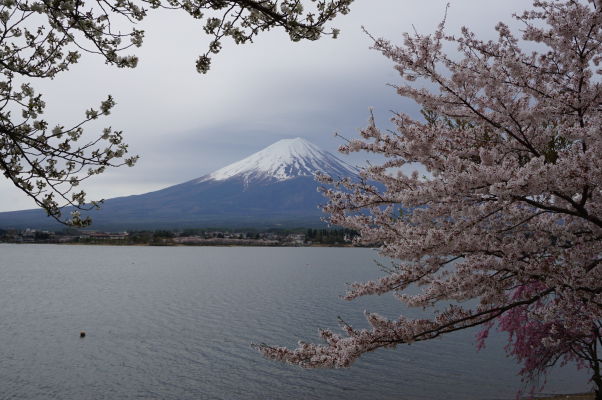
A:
x: 577, y: 396
x: 121, y: 244
x: 250, y: 237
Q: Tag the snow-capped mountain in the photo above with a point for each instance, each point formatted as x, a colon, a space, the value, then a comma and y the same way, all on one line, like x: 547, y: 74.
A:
x: 273, y: 187
x: 283, y: 160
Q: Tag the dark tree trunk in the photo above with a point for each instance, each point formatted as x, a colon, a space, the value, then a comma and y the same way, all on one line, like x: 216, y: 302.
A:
x: 595, y: 362
x: 597, y: 379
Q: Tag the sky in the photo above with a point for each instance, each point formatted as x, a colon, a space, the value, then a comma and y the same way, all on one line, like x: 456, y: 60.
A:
x: 185, y: 125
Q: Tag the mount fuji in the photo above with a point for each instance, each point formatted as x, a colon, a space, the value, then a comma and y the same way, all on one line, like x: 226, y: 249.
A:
x: 271, y: 188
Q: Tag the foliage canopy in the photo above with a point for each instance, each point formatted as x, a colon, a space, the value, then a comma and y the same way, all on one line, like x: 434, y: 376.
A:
x: 511, y: 214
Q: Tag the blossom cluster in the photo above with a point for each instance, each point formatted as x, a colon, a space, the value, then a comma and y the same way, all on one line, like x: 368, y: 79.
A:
x: 511, y: 212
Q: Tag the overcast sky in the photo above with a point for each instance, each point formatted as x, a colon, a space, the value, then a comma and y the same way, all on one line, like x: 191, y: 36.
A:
x: 184, y: 125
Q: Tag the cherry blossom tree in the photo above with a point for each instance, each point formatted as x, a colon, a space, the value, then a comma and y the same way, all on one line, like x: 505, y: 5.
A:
x: 510, y: 212
x: 42, y: 38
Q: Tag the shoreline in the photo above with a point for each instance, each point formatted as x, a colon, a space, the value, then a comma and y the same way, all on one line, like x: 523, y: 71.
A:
x: 107, y: 243
x: 575, y: 396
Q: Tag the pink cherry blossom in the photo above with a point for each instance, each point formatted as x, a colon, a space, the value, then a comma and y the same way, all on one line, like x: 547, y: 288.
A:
x: 511, y: 212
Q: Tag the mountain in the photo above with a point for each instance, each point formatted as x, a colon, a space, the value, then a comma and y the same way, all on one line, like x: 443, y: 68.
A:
x: 284, y: 160
x: 271, y: 188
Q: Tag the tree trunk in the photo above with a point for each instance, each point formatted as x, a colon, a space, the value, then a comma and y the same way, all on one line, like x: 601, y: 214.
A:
x: 594, y: 362
x: 597, y: 379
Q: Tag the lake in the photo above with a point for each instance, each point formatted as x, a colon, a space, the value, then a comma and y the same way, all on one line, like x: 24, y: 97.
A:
x: 178, y: 323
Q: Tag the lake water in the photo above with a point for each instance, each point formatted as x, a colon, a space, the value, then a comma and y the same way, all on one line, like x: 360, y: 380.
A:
x: 177, y: 323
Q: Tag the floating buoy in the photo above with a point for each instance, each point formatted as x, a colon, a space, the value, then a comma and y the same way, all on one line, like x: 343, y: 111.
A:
x: 82, y: 334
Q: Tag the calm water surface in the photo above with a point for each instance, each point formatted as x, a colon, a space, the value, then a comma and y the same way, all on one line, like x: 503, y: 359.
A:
x: 177, y: 323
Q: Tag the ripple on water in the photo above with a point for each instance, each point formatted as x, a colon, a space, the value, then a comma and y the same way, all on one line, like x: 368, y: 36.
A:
x: 177, y: 323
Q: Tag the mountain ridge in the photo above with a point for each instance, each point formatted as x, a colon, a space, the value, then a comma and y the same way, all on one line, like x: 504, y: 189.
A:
x: 274, y: 187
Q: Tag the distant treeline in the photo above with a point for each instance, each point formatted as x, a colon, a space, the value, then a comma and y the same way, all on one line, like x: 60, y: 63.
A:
x: 200, y: 236
x: 306, y: 236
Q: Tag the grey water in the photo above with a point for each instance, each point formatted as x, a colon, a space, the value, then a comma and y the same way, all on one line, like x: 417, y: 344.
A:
x: 178, y: 323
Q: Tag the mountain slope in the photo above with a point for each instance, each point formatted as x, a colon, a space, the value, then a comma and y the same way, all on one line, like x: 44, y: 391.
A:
x: 273, y: 187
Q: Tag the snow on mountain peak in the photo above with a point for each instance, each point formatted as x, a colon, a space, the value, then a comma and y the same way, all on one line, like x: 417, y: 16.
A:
x: 285, y: 159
